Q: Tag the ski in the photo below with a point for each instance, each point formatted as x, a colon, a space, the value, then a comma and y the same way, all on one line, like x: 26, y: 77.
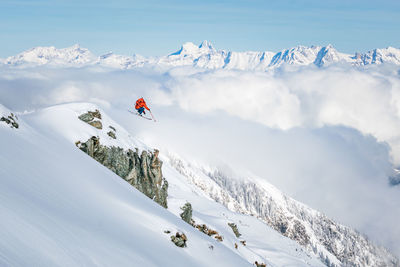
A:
x: 137, y: 114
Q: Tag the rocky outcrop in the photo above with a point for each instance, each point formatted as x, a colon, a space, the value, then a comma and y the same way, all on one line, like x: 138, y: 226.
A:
x: 260, y: 264
x: 93, y: 118
x: 141, y: 171
x: 186, y: 214
x: 112, y: 132
x: 11, y: 120
x: 208, y: 231
x: 179, y: 239
x: 234, y: 229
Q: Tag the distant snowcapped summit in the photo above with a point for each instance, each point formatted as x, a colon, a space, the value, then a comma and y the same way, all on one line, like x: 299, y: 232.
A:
x: 299, y: 55
x: 379, y: 56
x: 74, y: 55
x: 206, y: 44
x: 205, y: 56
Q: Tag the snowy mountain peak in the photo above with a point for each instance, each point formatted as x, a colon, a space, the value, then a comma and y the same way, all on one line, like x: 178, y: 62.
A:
x: 328, y: 55
x: 50, y: 55
x: 299, y: 55
x: 206, y: 44
x: 191, y: 49
x: 186, y: 48
x: 379, y: 56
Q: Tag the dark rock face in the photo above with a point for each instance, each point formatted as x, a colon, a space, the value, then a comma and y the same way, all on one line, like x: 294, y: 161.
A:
x: 143, y: 172
x: 186, y: 215
x: 11, y: 120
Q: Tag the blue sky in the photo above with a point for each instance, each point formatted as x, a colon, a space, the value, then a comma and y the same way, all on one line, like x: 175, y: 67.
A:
x: 156, y: 27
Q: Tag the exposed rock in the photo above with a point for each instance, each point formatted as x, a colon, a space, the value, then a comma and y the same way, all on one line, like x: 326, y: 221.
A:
x: 179, y: 239
x: 86, y: 117
x: 95, y: 114
x: 112, y: 132
x: 236, y: 246
x: 243, y: 242
x: 204, y: 229
x: 143, y: 172
x: 186, y: 215
x: 112, y: 135
x: 11, y: 120
x: 260, y: 264
x: 89, y: 118
x: 96, y: 124
x: 212, y: 232
x: 167, y: 231
x: 235, y: 229
x: 219, y: 238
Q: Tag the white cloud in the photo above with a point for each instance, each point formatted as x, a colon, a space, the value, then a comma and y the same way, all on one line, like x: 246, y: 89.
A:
x: 365, y: 100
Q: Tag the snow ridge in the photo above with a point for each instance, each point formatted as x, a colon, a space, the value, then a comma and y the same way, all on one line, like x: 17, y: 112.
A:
x: 204, y: 56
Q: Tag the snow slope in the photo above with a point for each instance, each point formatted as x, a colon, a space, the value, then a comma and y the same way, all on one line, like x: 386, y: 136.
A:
x: 60, y: 207
x: 205, y: 56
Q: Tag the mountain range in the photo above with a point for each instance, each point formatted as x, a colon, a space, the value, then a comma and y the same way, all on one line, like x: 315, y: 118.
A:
x: 204, y: 56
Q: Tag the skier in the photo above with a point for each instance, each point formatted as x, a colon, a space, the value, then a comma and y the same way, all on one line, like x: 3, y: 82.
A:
x: 140, y: 106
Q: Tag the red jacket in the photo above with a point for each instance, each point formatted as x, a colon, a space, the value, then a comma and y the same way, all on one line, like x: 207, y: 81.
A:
x: 141, y: 103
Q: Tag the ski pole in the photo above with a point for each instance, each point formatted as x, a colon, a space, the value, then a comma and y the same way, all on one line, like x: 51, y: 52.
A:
x: 154, y: 119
